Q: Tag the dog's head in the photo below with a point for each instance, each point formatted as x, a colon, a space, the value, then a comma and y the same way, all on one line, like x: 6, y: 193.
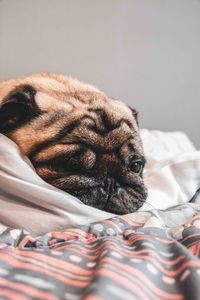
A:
x: 77, y: 138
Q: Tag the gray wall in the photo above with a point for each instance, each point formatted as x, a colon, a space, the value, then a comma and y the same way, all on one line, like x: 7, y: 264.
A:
x: 146, y: 52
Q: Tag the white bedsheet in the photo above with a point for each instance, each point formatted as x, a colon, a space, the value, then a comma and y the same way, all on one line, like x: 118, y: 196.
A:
x: 172, y: 174
x: 26, y: 201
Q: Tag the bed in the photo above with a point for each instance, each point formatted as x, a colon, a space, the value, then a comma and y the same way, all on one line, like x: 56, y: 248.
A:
x: 50, y: 250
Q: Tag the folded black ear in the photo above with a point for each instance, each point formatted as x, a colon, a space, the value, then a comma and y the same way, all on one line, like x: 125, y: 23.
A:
x: 18, y: 108
x: 135, y: 114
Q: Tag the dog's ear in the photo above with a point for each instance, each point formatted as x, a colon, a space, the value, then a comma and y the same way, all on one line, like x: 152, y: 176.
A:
x: 135, y: 114
x: 17, y: 108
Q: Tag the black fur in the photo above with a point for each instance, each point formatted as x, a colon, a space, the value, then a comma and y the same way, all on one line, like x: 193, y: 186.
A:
x: 18, y: 108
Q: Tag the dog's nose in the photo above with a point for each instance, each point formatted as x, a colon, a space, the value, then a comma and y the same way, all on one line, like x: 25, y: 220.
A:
x: 111, y: 184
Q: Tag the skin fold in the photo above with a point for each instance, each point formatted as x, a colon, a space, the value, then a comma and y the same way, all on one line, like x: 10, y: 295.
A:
x: 78, y: 139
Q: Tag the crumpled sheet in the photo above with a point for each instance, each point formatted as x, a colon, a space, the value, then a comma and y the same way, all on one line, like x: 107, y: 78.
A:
x: 151, y: 254
x: 144, y: 255
x: 27, y: 202
x: 172, y: 173
x: 172, y: 176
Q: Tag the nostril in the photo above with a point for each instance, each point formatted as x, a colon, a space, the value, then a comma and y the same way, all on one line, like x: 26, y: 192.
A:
x: 117, y: 184
x: 108, y: 183
x: 111, y: 184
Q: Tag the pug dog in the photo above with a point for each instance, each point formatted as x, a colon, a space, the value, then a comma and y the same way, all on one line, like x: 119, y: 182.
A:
x: 77, y: 138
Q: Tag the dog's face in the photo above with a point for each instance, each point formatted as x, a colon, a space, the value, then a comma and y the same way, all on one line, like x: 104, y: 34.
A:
x: 77, y: 138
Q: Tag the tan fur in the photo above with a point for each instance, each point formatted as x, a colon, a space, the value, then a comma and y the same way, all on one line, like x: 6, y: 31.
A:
x: 59, y: 92
x: 63, y: 101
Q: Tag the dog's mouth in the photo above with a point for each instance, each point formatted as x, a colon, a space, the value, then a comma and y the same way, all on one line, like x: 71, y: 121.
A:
x: 109, y: 195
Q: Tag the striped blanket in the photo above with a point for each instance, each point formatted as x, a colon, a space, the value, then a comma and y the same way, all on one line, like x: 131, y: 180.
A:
x: 144, y: 255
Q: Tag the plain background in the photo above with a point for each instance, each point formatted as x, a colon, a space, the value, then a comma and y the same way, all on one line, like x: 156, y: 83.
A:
x: 144, y: 52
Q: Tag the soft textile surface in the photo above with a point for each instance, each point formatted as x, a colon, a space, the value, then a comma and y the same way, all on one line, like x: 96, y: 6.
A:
x: 137, y: 256
x: 172, y: 176
x: 150, y: 254
x: 28, y: 202
x: 172, y: 173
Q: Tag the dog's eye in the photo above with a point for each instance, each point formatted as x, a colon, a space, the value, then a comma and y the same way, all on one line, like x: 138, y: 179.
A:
x: 136, y: 166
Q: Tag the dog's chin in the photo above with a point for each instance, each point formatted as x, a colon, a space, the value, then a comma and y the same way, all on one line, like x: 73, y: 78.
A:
x: 122, y: 201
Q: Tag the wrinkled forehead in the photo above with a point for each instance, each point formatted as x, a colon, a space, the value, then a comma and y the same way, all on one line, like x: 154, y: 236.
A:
x: 56, y: 92
x: 72, y: 111
x: 83, y: 102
